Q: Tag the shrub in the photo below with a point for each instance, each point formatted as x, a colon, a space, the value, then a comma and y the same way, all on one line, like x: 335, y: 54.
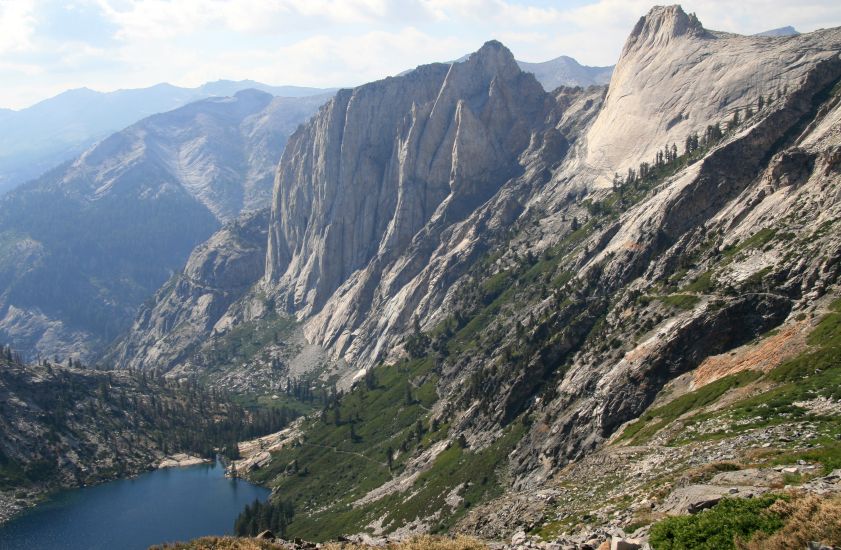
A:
x: 807, y: 518
x: 719, y: 527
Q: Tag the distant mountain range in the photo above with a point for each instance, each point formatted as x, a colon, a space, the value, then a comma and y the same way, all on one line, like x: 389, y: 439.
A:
x: 566, y: 71
x: 86, y: 243
x: 38, y: 138
x: 782, y: 31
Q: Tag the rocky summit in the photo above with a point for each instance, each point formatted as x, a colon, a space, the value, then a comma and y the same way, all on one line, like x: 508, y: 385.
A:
x: 601, y: 317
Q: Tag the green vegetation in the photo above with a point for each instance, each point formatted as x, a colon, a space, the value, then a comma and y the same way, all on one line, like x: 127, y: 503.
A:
x: 771, y: 522
x: 260, y: 516
x: 813, y: 374
x: 702, y: 284
x: 757, y: 240
x: 362, y: 440
x: 115, y: 414
x: 680, y: 301
x: 346, y: 452
x: 246, y: 342
x: 642, y: 429
x: 718, y: 528
x: 283, y: 400
x: 828, y: 332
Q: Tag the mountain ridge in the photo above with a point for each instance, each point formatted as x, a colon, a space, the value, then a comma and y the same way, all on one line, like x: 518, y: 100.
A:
x: 87, y: 243
x: 75, y: 119
x: 781, y: 31
x: 566, y: 71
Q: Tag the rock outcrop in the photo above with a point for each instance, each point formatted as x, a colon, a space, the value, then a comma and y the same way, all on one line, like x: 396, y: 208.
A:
x: 365, y: 203
x: 358, y: 266
x: 382, y: 161
x: 675, y: 78
x: 736, y: 191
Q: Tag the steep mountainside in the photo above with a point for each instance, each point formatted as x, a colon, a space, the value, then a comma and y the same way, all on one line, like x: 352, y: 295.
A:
x: 38, y: 138
x: 359, y: 319
x: 219, y: 272
x: 653, y: 100
x: 83, y: 246
x: 507, y: 279
x: 351, y: 193
x: 444, y: 140
x: 566, y: 71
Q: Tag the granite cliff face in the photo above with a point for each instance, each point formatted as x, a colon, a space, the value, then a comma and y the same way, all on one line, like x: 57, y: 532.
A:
x: 674, y: 78
x: 387, y: 167
x: 367, y: 192
x: 385, y: 200
x: 538, y: 268
x: 650, y: 102
x: 82, y: 247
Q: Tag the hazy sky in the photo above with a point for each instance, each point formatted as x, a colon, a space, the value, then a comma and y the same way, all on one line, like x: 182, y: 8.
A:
x: 50, y: 46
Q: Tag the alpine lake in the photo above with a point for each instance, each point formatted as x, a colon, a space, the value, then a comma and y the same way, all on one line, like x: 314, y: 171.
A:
x: 166, y: 505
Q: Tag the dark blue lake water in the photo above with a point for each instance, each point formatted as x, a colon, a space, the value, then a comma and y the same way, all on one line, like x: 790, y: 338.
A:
x: 161, y: 506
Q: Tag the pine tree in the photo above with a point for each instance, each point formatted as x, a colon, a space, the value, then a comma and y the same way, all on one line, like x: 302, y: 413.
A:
x: 735, y: 121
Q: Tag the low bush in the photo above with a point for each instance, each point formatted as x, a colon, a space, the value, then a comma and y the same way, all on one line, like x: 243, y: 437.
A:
x: 807, y: 519
x: 718, y: 528
x: 772, y: 522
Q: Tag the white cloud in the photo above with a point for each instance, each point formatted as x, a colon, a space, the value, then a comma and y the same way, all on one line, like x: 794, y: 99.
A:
x: 17, y: 22
x: 154, y: 19
x: 324, y: 60
x: 494, y: 10
x: 752, y: 16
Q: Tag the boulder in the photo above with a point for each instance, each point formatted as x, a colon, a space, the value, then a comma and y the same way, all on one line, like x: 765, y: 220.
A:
x: 694, y: 498
x: 619, y: 543
x: 756, y: 477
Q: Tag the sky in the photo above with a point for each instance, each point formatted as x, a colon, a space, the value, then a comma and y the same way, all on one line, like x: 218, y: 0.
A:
x: 47, y: 46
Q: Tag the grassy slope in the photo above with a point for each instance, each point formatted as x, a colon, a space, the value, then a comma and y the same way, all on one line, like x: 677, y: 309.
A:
x: 815, y: 373
x: 338, y: 462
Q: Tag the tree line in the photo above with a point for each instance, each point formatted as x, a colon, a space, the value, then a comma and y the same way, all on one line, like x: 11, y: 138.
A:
x: 271, y: 515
